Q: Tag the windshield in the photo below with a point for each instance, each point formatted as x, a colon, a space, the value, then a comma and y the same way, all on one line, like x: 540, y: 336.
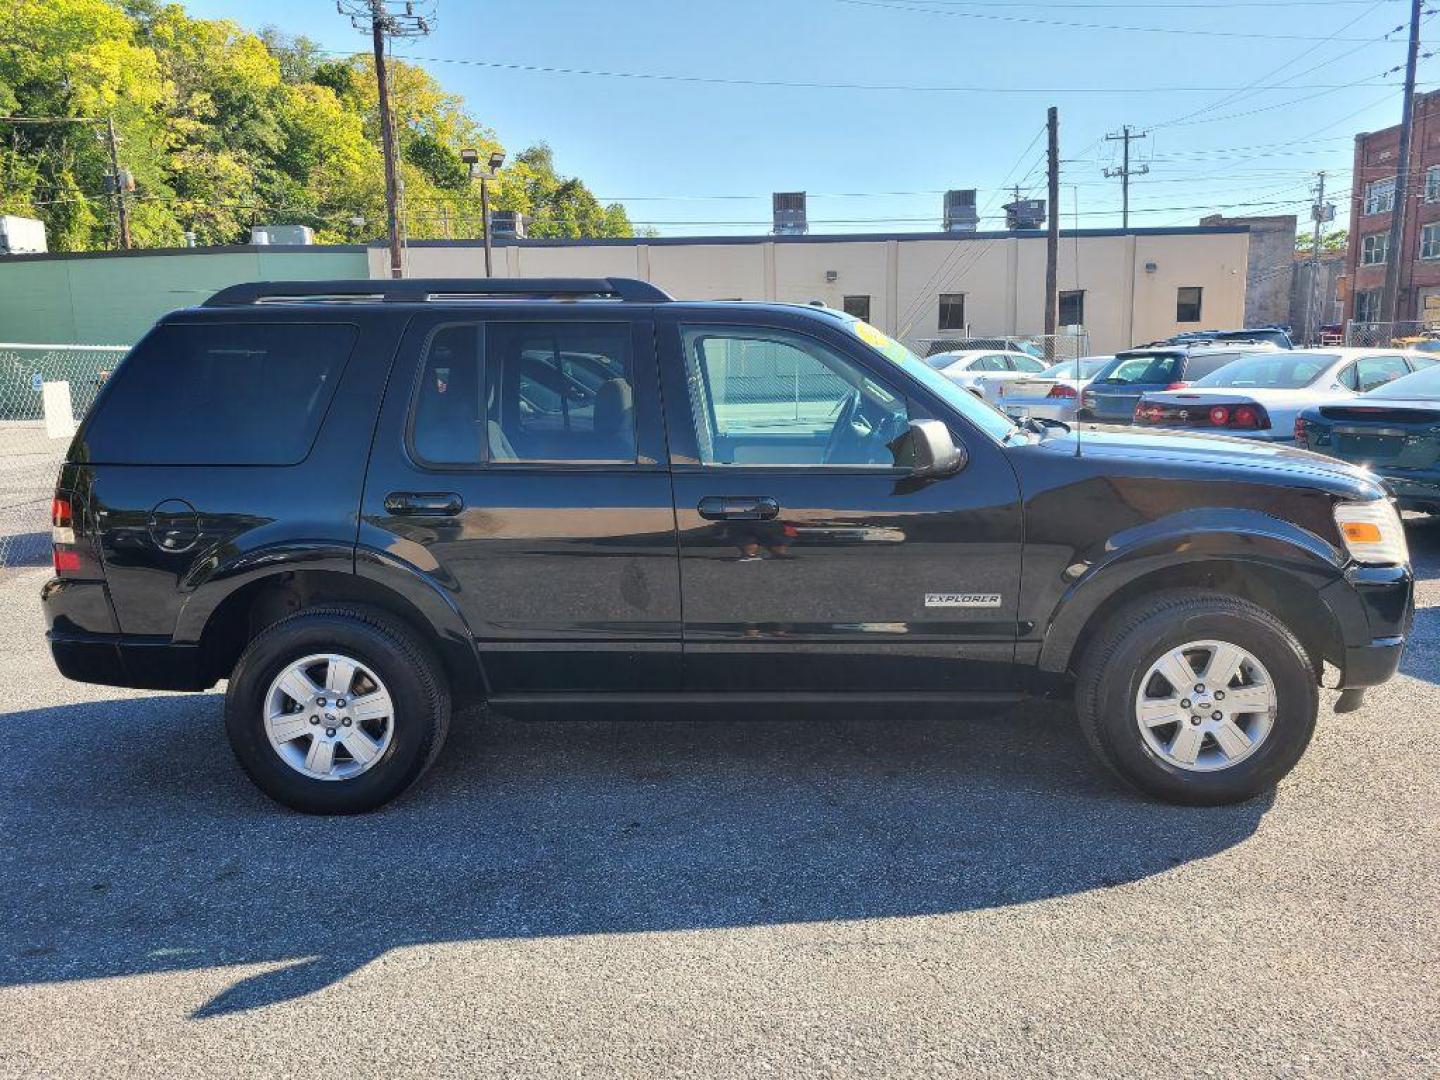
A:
x: 1089, y: 365
x: 1275, y: 371
x: 1421, y: 386
x: 936, y: 361
x: 987, y: 418
x: 1146, y: 368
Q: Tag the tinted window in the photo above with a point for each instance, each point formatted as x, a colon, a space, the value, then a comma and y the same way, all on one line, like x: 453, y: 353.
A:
x: 767, y: 397
x: 1206, y: 364
x: 220, y: 394
x: 1026, y: 363
x: 1150, y: 368
x: 551, y: 392
x: 1277, y: 370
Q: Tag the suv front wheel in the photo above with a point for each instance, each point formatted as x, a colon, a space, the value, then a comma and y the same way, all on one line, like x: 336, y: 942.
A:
x: 1197, y: 697
x: 336, y: 710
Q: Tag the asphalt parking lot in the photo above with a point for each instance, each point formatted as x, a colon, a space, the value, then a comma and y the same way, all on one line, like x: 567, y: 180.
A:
x: 875, y: 895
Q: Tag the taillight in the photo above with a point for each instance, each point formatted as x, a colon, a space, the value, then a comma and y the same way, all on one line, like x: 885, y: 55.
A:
x: 1060, y: 390
x: 66, y: 559
x: 1177, y: 386
x: 64, y: 554
x: 1220, y: 416
x: 1248, y: 416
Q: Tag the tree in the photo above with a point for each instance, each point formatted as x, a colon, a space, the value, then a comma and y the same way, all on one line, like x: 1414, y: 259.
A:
x: 1333, y: 243
x: 224, y: 128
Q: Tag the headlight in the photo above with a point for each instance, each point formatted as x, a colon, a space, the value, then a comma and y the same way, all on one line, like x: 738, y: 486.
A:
x: 1372, y: 532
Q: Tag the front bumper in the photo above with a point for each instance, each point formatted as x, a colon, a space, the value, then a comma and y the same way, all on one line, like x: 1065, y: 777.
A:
x: 1373, y: 607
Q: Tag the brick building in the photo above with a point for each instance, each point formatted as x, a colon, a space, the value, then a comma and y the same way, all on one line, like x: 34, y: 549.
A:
x: 1372, y: 200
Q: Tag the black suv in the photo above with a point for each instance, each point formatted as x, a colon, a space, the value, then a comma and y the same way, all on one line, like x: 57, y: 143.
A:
x: 361, y: 501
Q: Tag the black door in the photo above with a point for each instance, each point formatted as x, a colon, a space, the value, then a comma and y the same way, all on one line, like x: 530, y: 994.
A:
x: 520, y: 465
x: 810, y: 560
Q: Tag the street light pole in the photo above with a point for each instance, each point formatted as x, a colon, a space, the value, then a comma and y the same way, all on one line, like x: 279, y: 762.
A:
x: 471, y: 158
x: 485, y: 217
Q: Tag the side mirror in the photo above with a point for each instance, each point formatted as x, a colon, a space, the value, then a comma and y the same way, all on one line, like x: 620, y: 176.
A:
x: 935, y: 452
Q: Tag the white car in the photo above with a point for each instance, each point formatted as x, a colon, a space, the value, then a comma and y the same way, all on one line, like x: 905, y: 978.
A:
x: 980, y: 370
x: 1259, y: 396
x: 1054, y: 394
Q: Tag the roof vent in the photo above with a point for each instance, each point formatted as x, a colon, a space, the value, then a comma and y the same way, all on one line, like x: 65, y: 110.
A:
x: 789, y: 209
x: 507, y: 225
x: 960, y: 214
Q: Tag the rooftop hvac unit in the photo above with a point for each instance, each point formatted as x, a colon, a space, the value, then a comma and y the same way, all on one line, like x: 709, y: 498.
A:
x: 789, y: 209
x: 281, y: 234
x: 507, y: 225
x: 1025, y: 214
x: 960, y: 215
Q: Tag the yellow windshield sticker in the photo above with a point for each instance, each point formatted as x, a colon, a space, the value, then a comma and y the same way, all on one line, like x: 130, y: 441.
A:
x: 883, y: 343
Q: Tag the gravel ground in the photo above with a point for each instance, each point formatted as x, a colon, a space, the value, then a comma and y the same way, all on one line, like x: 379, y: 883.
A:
x: 774, y: 896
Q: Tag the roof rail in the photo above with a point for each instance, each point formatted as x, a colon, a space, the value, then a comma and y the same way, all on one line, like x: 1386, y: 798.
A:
x: 422, y: 290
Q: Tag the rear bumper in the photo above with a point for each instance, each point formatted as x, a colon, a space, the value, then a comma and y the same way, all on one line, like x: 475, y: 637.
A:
x: 87, y: 646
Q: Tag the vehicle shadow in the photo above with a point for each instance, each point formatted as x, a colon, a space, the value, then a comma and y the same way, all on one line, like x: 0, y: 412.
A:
x: 133, y: 844
x: 1422, y: 658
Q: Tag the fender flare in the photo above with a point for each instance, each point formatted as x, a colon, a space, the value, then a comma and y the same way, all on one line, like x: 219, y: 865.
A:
x: 212, y: 581
x: 1188, y: 538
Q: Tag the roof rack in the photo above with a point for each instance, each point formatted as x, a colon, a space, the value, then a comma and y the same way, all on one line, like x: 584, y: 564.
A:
x: 424, y: 290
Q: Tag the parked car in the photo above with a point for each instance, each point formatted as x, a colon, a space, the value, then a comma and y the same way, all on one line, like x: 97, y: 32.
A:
x: 349, y: 500
x: 1393, y: 430
x: 1259, y: 397
x: 1054, y: 394
x: 1278, y: 336
x: 1117, y: 388
x: 994, y: 344
x: 980, y: 370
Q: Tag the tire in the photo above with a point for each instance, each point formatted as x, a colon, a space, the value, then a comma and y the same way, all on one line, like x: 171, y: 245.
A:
x: 386, y: 656
x: 1118, y: 665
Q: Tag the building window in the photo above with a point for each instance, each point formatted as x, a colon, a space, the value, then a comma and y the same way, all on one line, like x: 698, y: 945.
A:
x: 952, y: 311
x: 1072, y: 308
x: 859, y: 306
x: 1432, y: 184
x: 1187, y: 303
x: 1374, y: 248
x: 1367, y: 306
x: 1380, y: 196
x: 1430, y: 241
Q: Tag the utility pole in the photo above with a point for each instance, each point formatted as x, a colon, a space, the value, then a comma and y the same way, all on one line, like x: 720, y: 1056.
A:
x: 1322, y: 213
x: 388, y: 19
x: 1390, y: 309
x: 1052, y: 232
x: 1125, y: 172
x: 123, y: 211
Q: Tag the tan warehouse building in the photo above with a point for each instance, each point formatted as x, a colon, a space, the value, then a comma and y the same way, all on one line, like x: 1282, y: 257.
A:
x: 1122, y: 288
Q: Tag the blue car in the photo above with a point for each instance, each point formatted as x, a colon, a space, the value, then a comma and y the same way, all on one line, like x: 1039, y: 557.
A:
x: 1394, y: 430
x: 1113, y: 394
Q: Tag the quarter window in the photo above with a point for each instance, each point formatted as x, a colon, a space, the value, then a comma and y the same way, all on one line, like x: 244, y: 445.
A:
x: 770, y: 397
x: 1187, y: 303
x: 220, y: 394
x: 952, y: 311
x: 1380, y: 196
x: 526, y: 392
x: 1373, y: 249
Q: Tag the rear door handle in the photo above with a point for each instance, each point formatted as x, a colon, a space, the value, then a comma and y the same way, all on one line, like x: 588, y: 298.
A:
x: 738, y: 508
x: 429, y: 503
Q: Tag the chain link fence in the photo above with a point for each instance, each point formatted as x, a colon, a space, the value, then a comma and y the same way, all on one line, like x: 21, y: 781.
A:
x: 1052, y: 348
x: 33, y: 445
x: 1386, y: 335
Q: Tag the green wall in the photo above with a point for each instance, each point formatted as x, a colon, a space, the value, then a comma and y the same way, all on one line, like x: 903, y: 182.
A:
x: 113, y: 299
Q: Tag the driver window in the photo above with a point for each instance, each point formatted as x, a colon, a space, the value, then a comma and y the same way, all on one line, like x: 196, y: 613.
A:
x: 769, y: 397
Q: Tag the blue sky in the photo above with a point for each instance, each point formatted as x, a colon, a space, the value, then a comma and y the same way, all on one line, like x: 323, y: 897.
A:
x: 1239, y: 97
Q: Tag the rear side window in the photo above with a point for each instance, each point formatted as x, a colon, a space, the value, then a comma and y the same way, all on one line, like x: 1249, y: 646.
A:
x: 220, y: 394
x: 1145, y: 369
x: 1200, y: 366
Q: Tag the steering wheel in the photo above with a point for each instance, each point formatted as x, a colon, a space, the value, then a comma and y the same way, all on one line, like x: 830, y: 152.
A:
x: 844, y: 425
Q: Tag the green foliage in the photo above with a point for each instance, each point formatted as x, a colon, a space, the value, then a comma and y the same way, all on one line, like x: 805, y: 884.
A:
x: 1333, y: 243
x: 224, y: 128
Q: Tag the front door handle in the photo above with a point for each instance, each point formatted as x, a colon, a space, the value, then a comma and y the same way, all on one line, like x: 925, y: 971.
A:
x: 738, y: 508
x: 429, y: 503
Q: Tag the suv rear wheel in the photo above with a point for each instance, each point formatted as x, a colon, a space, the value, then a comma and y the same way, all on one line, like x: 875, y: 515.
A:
x: 1197, y: 697
x: 336, y: 710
